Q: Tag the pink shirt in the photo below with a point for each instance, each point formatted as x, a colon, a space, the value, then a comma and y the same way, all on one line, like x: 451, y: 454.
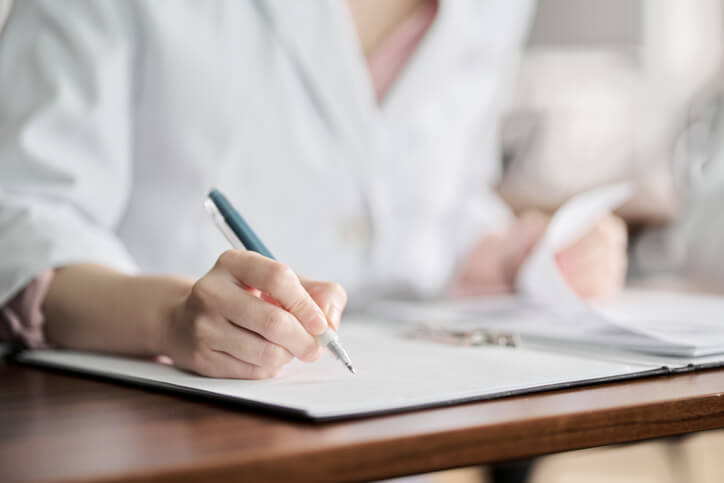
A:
x: 22, y: 317
x: 389, y: 58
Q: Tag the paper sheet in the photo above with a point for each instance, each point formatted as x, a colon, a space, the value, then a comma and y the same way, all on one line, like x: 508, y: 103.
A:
x: 696, y: 320
x: 395, y: 372
x: 676, y: 326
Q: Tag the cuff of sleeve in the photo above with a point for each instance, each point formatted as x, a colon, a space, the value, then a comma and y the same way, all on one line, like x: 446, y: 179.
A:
x: 37, y: 235
x: 481, y: 216
x: 23, y: 314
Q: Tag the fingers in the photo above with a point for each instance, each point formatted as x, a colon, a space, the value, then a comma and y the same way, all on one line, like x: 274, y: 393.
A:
x: 615, y: 229
x: 609, y: 232
x: 250, y: 315
x: 251, y: 348
x: 595, y: 265
x: 594, y: 275
x: 278, y: 281
x: 221, y: 364
x: 217, y: 348
x: 329, y: 296
x: 196, y: 348
x: 280, y: 327
x: 243, y: 309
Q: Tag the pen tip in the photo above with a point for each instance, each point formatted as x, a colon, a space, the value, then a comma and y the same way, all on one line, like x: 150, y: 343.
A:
x: 351, y: 369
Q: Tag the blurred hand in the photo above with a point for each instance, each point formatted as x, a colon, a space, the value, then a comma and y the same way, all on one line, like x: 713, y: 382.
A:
x: 594, y: 266
x: 249, y: 316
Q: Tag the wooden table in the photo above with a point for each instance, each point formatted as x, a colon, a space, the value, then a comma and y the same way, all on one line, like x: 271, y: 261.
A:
x: 59, y: 426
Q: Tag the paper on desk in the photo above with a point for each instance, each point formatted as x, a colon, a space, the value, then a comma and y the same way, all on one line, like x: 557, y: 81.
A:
x: 684, y: 319
x: 671, y: 328
x: 395, y: 372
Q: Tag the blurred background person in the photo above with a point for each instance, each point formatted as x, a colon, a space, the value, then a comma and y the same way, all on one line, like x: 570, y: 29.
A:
x: 360, y: 138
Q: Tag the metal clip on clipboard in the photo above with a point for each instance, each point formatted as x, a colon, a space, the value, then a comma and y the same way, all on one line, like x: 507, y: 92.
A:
x: 470, y: 337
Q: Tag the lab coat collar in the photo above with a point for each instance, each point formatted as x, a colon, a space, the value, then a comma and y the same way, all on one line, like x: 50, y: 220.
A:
x: 320, y: 37
x: 432, y: 61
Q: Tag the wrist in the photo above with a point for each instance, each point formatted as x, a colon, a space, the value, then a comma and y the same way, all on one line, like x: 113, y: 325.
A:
x: 169, y: 295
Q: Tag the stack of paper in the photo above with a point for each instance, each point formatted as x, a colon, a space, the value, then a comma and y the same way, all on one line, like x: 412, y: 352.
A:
x: 651, y: 322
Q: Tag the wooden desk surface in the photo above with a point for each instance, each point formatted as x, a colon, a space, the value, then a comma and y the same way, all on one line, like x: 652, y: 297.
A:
x: 61, y: 426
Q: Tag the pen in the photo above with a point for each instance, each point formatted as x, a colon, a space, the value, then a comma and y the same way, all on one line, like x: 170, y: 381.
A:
x: 240, y: 235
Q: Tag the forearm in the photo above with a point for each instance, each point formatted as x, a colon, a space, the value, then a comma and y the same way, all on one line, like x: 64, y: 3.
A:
x: 90, y: 307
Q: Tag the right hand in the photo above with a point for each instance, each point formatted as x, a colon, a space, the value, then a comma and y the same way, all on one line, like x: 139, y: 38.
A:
x: 249, y: 316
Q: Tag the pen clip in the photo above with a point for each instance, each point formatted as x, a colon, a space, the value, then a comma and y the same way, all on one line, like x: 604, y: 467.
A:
x: 222, y: 225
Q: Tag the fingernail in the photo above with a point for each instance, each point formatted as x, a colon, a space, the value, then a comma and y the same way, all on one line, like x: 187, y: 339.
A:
x: 333, y: 315
x: 318, y: 324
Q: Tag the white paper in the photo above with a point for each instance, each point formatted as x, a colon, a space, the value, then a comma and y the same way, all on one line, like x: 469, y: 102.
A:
x: 395, y: 371
x: 674, y: 325
x: 696, y: 320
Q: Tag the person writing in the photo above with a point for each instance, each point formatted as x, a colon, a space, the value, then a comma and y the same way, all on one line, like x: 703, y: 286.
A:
x: 358, y: 137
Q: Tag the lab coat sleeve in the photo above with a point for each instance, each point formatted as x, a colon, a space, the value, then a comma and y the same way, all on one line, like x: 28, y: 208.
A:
x: 480, y: 211
x: 64, y: 137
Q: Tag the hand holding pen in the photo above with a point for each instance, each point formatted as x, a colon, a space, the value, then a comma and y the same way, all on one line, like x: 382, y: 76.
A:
x: 251, y: 315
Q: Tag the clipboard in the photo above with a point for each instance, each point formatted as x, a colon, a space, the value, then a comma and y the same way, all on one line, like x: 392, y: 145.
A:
x: 396, y: 373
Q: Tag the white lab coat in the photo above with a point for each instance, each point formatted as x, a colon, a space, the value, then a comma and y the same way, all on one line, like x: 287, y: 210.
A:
x: 117, y: 117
